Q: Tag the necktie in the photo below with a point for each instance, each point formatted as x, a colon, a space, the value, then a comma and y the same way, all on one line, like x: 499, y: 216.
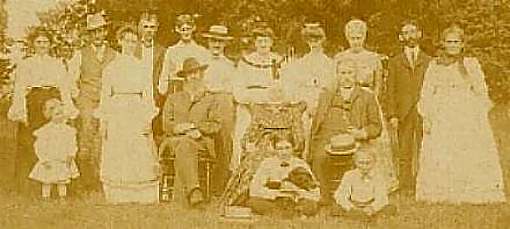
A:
x: 412, y: 58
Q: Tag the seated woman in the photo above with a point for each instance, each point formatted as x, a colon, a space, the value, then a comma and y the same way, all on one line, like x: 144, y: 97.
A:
x: 284, y: 183
x: 349, y: 110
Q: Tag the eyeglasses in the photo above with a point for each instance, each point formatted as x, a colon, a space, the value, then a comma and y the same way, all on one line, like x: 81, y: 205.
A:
x: 149, y: 26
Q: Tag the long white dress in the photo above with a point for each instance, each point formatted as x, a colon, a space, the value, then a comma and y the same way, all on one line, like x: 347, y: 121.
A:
x: 128, y: 162
x: 459, y: 162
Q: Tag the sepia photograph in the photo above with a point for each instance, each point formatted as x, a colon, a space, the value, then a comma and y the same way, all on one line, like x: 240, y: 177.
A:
x: 254, y: 114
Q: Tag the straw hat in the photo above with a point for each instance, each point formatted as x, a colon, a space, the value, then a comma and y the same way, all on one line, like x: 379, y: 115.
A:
x: 218, y: 32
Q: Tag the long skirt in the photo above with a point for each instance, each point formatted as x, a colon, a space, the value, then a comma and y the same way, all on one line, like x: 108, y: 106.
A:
x: 25, y: 156
x: 147, y: 193
x: 9, y: 144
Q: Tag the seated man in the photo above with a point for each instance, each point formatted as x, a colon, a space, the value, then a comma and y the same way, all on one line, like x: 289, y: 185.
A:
x: 190, y: 121
x: 347, y: 110
x: 284, y: 184
x: 363, y: 192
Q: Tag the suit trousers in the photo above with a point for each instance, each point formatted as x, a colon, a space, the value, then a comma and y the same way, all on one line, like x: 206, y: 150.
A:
x: 410, y: 135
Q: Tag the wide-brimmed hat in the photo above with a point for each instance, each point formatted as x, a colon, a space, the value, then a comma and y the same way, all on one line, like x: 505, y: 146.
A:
x: 191, y: 65
x: 218, y: 32
x: 95, y: 21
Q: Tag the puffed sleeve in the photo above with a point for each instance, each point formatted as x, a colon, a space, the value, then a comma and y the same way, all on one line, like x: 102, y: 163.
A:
x: 378, y: 76
x: 478, y: 84
x: 426, y: 102
x: 65, y: 85
x: 17, y: 111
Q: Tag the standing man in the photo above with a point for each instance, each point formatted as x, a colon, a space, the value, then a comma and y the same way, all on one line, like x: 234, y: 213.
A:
x: 304, y: 79
x: 152, y: 53
x: 176, y: 54
x: 218, y: 80
x: 87, y: 69
x: 406, y: 72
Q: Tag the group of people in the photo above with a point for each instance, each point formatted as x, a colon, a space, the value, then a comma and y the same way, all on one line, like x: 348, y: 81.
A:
x: 422, y: 128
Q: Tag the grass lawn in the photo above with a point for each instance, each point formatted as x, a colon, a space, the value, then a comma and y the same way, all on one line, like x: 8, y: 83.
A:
x: 91, y: 212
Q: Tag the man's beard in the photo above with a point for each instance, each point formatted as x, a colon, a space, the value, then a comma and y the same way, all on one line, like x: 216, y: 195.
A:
x: 411, y: 42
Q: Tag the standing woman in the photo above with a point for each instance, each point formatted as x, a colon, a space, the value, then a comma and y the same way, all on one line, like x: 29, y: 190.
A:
x: 128, y: 168
x: 459, y: 162
x: 38, y: 78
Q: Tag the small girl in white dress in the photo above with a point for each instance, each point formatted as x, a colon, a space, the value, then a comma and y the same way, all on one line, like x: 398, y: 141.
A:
x: 55, y: 147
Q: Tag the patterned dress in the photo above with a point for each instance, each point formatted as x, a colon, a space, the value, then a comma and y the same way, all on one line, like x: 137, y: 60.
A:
x: 268, y: 120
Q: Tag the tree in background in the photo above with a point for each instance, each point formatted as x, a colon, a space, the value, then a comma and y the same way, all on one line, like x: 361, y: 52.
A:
x: 487, y: 24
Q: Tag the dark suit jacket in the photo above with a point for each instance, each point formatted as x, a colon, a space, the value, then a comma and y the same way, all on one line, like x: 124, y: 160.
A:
x: 405, y: 84
x: 204, y: 113
x: 365, y: 112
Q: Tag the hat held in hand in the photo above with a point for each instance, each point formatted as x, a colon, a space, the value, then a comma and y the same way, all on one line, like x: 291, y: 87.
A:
x: 342, y: 144
x: 191, y: 65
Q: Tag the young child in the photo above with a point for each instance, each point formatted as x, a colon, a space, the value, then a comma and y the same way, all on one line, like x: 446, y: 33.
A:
x: 55, y: 147
x: 362, y: 191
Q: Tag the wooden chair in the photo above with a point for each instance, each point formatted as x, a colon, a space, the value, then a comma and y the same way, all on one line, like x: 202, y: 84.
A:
x: 167, y: 175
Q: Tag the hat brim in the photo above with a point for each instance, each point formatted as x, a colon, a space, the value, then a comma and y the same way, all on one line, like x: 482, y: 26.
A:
x: 89, y: 28
x: 183, y: 74
x: 217, y: 37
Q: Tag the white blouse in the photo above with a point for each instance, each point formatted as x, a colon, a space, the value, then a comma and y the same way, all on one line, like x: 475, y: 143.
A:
x: 40, y: 71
